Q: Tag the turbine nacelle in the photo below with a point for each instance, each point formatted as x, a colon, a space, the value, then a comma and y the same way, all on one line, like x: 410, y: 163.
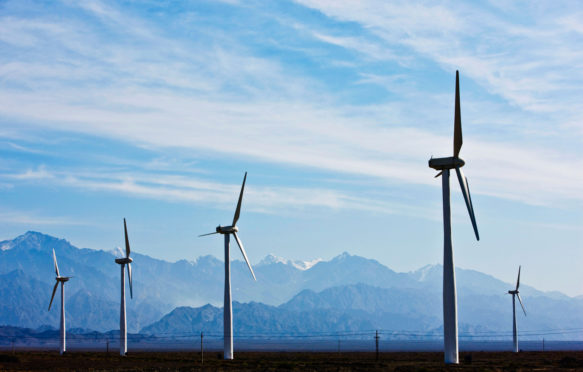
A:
x: 63, y: 278
x: 451, y: 162
x: 123, y: 260
x: 513, y: 292
x: 226, y: 229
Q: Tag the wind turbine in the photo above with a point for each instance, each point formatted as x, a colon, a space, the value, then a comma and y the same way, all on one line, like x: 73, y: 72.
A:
x: 443, y: 165
x: 514, y: 294
x: 123, y: 343
x: 62, y: 280
x: 228, y: 306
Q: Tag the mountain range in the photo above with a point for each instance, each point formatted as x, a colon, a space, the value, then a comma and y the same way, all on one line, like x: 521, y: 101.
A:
x: 346, y: 294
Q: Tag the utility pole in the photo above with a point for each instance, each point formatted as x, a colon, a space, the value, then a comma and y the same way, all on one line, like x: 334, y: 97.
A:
x: 13, y: 345
x: 376, y: 338
x: 107, y: 346
x: 338, y: 345
x: 201, y: 349
x: 543, y: 344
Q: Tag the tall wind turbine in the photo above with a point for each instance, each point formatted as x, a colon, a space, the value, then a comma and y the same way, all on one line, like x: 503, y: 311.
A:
x: 227, y: 231
x: 514, y: 294
x: 62, y: 280
x: 443, y: 165
x: 123, y: 343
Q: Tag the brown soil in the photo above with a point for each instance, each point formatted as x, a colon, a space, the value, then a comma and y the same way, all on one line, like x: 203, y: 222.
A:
x: 266, y: 361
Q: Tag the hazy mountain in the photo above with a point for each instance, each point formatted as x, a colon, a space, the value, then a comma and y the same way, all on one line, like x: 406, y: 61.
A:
x: 21, y: 304
x: 414, y: 303
x: 347, y: 285
x: 91, y: 296
x: 256, y: 320
x: 419, y: 309
x: 360, y: 309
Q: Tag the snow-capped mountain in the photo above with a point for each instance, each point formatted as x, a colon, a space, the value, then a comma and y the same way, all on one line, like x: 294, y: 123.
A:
x: 300, y: 265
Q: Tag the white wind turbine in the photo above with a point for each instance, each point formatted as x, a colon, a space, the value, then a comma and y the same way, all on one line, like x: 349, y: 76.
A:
x: 62, y: 280
x: 228, y: 306
x: 450, y: 331
x: 123, y: 344
x: 514, y: 294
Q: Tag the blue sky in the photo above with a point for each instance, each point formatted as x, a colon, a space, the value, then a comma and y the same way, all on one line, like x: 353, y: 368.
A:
x: 153, y: 111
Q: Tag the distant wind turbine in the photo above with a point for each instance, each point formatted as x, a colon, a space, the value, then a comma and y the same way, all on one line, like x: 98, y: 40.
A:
x: 514, y: 294
x: 443, y: 165
x: 228, y: 306
x: 62, y: 280
x: 123, y: 344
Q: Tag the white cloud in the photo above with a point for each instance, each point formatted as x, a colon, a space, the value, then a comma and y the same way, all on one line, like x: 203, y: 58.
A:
x: 32, y: 174
x: 222, y: 99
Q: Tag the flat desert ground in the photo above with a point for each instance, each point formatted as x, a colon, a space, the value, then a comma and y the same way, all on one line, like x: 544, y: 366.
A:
x: 293, y: 361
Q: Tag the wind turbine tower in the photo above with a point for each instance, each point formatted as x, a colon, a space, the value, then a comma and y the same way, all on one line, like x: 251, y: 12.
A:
x: 515, y: 293
x: 123, y: 343
x: 444, y: 165
x: 62, y: 280
x: 227, y: 231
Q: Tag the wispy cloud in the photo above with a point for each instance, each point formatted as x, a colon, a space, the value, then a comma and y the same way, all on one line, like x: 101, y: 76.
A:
x: 315, y: 137
x: 533, y: 64
x: 33, y: 218
x: 177, y: 188
x: 170, y: 96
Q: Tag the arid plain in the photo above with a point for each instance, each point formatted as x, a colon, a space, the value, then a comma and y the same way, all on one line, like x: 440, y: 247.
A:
x: 266, y: 361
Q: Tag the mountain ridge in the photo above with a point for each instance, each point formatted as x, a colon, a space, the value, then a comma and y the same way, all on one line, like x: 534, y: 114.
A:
x: 358, y: 309
x: 92, y: 296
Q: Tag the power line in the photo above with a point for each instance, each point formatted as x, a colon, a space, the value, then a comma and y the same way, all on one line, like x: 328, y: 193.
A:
x: 282, y: 336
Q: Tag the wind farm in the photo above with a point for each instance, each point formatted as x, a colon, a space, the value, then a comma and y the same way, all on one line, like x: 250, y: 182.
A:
x: 307, y: 329
x: 151, y: 111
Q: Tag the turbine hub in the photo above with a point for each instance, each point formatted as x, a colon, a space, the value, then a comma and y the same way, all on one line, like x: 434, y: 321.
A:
x: 446, y: 163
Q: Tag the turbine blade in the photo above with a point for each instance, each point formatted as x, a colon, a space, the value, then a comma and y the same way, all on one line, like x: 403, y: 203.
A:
x: 53, y: 296
x: 438, y: 174
x: 238, y: 210
x: 475, y: 225
x: 518, y: 280
x: 457, y: 121
x: 130, y: 280
x: 244, y: 254
x: 208, y: 234
x: 520, y: 300
x: 125, y: 229
x: 55, y: 262
x: 468, y: 199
